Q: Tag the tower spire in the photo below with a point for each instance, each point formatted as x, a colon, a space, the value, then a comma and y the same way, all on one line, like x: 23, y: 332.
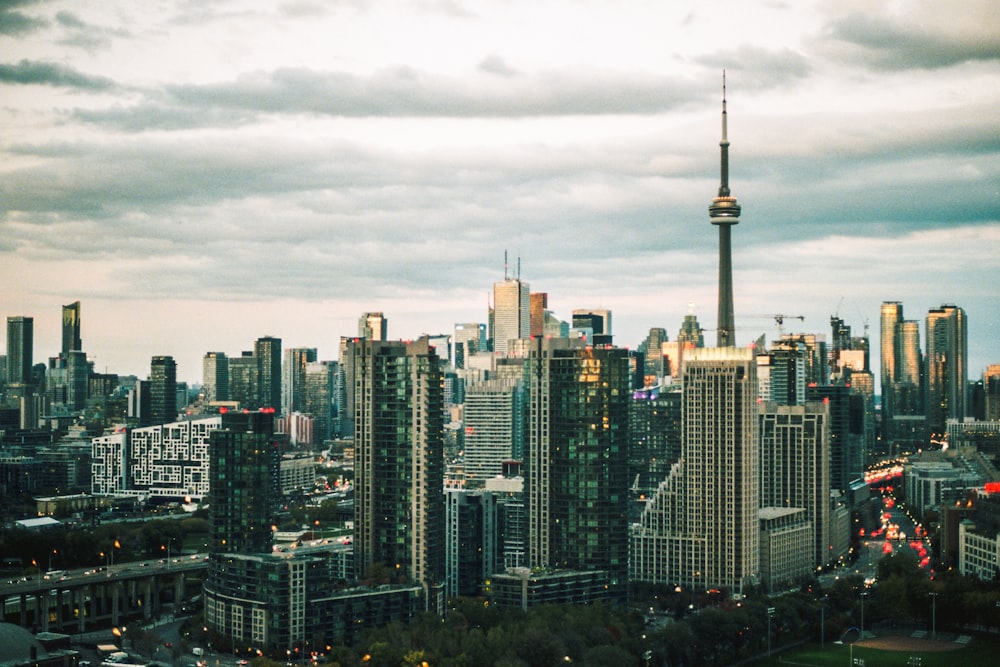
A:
x: 725, y: 212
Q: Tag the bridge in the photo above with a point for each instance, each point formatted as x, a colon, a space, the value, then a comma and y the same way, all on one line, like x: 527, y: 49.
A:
x: 76, y: 601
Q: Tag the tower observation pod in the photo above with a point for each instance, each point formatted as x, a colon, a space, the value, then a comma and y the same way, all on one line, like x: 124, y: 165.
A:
x: 724, y: 212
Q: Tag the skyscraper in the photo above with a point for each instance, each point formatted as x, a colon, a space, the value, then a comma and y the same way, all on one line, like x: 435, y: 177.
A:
x: 267, y: 352
x: 724, y: 213
x: 795, y: 466
x: 215, y: 376
x: 576, y: 462
x: 244, y: 462
x: 71, y: 329
x: 511, y: 313
x: 539, y: 304
x: 598, y: 321
x: 294, y: 376
x: 399, y: 505
x: 373, y: 326
x: 20, y: 351
x: 162, y: 390
x: 319, y: 396
x: 494, y: 428
x: 947, y: 365
x: 700, y: 529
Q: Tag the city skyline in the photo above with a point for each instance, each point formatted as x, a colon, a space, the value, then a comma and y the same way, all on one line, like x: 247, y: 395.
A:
x: 251, y: 171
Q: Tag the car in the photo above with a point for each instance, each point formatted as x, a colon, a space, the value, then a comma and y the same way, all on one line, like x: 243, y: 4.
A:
x: 168, y: 644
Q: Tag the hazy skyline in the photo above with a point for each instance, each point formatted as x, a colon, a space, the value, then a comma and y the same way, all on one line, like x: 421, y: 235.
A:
x: 201, y: 174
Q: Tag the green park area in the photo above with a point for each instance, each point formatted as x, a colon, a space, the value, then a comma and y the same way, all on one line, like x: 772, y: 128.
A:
x: 891, y: 651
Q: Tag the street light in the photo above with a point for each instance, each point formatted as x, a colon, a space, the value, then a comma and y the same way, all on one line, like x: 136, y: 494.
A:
x: 770, y: 613
x: 933, y: 615
x: 864, y: 594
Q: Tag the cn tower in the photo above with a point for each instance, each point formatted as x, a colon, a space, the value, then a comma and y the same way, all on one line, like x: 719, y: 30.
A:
x: 725, y: 212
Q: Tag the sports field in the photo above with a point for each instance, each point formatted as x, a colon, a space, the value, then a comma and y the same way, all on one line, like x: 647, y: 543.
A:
x: 892, y: 651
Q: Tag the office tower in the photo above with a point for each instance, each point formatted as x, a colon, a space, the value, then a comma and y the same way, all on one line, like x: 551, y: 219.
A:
x: 576, y: 460
x: 493, y: 420
x: 373, y: 326
x: 319, y: 396
x: 902, y: 376
x: 539, y: 304
x: 991, y: 389
x: 294, y: 377
x: 652, y: 348
x: 847, y: 432
x: 20, y: 342
x: 78, y: 376
x: 599, y: 323
x: 469, y: 339
x: 795, y: 467
x: 71, y: 328
x: 784, y: 373
x: 511, y: 313
x: 140, y: 404
x: 890, y: 319
x: 399, y: 510
x: 162, y: 390
x: 267, y: 352
x: 215, y: 377
x: 947, y: 366
x: 243, y: 379
x: 690, y: 333
x: 724, y: 212
x: 244, y: 465
x: 700, y: 530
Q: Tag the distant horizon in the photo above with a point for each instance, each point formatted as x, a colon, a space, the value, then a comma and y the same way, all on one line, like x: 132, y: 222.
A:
x: 199, y: 175
x: 791, y: 326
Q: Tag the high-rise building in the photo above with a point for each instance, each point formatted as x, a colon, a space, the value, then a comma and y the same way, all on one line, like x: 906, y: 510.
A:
x: 576, y: 459
x: 539, y: 305
x: 947, y: 366
x: 597, y: 321
x: 493, y: 419
x: 469, y: 339
x: 373, y: 326
x: 71, y: 328
x: 724, y: 212
x: 991, y: 389
x: 320, y: 392
x: 700, y: 530
x: 399, y: 508
x: 795, y: 467
x: 511, y: 313
x: 652, y: 349
x: 294, y: 376
x: 267, y: 352
x: 902, y: 375
x: 215, y: 377
x: 243, y: 379
x: 244, y: 464
x: 20, y: 351
x: 162, y: 390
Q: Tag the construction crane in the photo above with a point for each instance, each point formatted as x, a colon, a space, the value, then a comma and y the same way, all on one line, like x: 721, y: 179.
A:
x: 779, y: 319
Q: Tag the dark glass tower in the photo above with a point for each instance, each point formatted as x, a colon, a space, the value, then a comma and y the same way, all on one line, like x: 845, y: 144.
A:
x: 20, y: 350
x: 71, y: 329
x: 399, y: 504
x: 267, y: 352
x: 244, y: 460
x: 162, y: 390
x: 724, y: 213
x: 576, y: 466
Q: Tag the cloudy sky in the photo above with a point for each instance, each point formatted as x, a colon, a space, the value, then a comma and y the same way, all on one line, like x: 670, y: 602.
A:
x: 201, y: 173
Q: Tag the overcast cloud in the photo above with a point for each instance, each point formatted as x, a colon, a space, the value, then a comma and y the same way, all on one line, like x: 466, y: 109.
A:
x: 200, y: 174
